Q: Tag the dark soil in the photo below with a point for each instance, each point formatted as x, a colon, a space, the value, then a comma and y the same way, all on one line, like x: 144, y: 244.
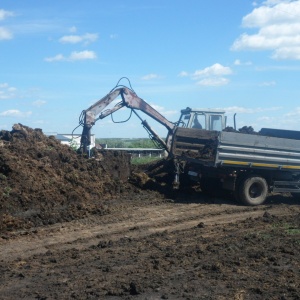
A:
x: 79, y: 228
x: 44, y: 182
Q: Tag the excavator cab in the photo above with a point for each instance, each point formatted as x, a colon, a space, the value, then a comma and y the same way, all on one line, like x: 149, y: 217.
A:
x: 208, y: 119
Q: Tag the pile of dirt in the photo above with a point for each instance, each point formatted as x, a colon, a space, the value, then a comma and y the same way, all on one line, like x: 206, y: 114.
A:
x: 43, y: 182
x: 244, y: 129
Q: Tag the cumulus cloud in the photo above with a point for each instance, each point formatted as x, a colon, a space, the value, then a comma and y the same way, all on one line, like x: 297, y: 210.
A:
x: 82, y: 55
x: 15, y: 113
x: 210, y: 76
x: 74, y: 56
x: 214, y: 70
x: 5, y: 13
x: 278, y: 29
x: 74, y: 39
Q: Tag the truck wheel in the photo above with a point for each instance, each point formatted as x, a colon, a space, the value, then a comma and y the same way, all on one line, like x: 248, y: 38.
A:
x: 253, y: 190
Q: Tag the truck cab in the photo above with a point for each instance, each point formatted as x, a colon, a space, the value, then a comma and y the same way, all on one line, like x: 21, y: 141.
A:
x: 208, y: 119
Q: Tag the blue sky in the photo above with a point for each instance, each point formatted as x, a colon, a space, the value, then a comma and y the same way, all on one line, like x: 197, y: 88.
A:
x: 59, y: 57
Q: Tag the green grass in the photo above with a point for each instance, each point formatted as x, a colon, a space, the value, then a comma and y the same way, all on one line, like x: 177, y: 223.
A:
x: 288, y: 228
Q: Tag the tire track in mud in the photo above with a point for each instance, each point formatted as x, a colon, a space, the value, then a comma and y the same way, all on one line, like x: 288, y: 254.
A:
x: 137, y: 223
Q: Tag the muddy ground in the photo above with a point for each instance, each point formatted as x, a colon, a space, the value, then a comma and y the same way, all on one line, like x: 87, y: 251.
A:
x: 73, y: 228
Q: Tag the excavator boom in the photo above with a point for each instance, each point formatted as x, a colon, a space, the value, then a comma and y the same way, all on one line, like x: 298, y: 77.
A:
x: 129, y: 99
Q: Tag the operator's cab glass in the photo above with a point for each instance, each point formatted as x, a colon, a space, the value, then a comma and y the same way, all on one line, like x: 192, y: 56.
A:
x: 216, y: 122
x: 202, y: 120
x: 198, y: 121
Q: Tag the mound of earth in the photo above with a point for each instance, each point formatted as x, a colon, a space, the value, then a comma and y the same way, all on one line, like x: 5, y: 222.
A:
x: 44, y: 182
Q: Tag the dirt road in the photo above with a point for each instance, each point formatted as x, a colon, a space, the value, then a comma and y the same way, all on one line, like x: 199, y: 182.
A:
x: 148, y: 247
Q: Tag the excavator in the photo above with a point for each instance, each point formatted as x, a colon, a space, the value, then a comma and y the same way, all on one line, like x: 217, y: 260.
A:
x: 249, y: 165
x: 207, y: 119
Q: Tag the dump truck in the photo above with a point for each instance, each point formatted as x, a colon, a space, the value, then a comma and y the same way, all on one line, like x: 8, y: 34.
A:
x: 249, y: 165
x: 204, y: 149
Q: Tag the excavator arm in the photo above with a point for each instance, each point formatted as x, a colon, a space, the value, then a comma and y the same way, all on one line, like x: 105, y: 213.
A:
x: 129, y: 98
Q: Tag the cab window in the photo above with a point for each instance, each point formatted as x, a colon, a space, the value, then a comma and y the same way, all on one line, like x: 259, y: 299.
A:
x: 198, y: 121
x: 216, y: 122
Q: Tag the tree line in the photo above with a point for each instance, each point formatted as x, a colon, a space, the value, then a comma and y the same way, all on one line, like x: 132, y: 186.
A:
x: 126, y: 143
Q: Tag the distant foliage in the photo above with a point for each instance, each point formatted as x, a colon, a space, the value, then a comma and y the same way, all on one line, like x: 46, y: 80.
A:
x: 126, y: 143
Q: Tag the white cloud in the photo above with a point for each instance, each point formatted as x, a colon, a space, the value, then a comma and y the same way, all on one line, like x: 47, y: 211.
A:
x: 245, y: 110
x: 213, y: 81
x: 57, y: 57
x: 214, y: 70
x: 15, y: 113
x: 5, y: 13
x: 82, y: 55
x: 287, y: 53
x: 5, y: 34
x: 74, y: 39
x: 274, y: 2
x: 150, y: 76
x: 278, y: 24
x: 6, y: 91
x: 39, y: 103
x: 210, y: 76
x: 74, y: 56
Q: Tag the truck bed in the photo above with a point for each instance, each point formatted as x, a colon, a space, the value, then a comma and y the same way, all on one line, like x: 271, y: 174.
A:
x: 234, y: 149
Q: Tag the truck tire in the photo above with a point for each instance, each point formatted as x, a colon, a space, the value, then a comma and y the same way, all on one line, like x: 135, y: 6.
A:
x: 253, y: 190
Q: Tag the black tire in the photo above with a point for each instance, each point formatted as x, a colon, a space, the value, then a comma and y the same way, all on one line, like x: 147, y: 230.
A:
x: 253, y: 190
